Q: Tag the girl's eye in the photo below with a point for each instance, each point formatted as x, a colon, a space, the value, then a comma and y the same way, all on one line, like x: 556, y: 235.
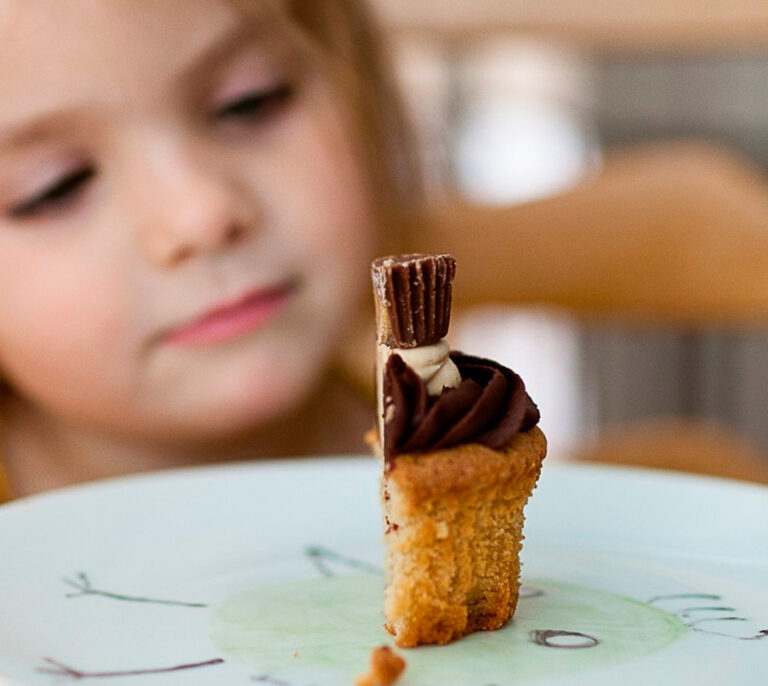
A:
x: 255, y: 105
x: 59, y: 194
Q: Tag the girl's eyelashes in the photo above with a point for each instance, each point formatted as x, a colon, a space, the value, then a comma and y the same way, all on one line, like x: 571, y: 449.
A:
x: 250, y: 107
x: 253, y: 106
x: 60, y: 194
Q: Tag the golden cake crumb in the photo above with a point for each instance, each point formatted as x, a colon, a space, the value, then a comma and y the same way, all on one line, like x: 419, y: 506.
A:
x: 386, y: 668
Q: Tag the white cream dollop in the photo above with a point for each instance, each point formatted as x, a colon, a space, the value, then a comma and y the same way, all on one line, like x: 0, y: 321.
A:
x: 433, y: 364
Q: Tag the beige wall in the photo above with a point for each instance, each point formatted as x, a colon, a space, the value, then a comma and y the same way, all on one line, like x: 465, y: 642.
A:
x: 656, y: 23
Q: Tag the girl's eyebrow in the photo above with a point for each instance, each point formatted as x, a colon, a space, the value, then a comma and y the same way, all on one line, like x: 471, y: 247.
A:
x: 189, y: 75
x: 40, y: 128
x: 50, y: 123
x: 219, y: 50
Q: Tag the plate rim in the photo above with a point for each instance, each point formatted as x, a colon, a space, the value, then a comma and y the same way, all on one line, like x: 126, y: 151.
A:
x: 358, y: 460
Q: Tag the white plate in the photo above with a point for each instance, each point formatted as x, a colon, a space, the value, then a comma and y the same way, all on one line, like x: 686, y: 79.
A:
x: 269, y: 574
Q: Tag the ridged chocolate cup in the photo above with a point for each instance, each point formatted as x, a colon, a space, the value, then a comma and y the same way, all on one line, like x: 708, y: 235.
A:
x: 413, y: 298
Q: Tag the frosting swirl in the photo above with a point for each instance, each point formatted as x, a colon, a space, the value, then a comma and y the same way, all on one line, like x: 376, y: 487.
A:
x: 489, y: 406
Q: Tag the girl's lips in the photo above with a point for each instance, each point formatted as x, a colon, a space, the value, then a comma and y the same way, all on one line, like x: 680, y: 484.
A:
x: 253, y: 311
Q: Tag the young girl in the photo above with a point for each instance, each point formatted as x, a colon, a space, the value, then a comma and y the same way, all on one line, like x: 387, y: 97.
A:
x: 190, y: 195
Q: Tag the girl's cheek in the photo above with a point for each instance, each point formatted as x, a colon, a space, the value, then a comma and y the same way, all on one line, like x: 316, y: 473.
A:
x: 342, y: 227
x: 56, y: 319
x: 336, y: 195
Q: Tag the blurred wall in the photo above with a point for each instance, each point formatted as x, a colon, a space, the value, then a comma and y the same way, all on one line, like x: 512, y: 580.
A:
x: 719, y: 95
x: 482, y: 109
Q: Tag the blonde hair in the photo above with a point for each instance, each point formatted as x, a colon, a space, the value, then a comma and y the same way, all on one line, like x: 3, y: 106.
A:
x: 344, y: 36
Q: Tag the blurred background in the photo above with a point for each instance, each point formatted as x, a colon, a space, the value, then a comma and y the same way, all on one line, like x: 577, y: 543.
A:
x: 516, y: 102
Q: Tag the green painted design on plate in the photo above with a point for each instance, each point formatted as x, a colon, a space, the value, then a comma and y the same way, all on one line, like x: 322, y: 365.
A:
x: 324, y: 628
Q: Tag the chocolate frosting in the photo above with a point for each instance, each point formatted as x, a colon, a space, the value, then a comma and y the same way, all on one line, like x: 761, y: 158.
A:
x: 489, y: 406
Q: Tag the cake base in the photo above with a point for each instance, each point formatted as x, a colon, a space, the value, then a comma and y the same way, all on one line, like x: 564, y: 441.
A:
x: 453, y: 532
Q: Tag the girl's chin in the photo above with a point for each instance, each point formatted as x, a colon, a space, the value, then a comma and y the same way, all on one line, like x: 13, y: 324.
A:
x: 241, y: 393
x: 233, y: 415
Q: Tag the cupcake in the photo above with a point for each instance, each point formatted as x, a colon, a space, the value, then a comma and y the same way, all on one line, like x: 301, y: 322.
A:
x: 461, y: 453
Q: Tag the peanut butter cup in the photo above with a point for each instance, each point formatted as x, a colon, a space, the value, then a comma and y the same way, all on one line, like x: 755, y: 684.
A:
x: 413, y: 298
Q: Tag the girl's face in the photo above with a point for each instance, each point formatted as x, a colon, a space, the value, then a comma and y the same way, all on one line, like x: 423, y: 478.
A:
x: 184, y: 224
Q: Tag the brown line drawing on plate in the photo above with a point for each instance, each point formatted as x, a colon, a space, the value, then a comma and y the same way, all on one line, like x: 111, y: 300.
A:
x: 270, y: 681
x: 320, y: 555
x: 84, y: 587
x: 60, y: 669
x: 677, y: 596
x: 685, y: 613
x: 693, y: 624
x: 763, y: 633
x: 550, y: 638
x: 530, y: 592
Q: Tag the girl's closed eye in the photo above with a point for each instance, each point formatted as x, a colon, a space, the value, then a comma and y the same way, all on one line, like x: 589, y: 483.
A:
x: 60, y: 194
x: 256, y: 105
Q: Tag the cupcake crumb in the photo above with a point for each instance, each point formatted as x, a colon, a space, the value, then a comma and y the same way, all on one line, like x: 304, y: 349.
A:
x: 386, y: 668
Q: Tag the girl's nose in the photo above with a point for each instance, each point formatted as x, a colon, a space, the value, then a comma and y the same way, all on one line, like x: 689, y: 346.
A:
x: 192, y: 208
